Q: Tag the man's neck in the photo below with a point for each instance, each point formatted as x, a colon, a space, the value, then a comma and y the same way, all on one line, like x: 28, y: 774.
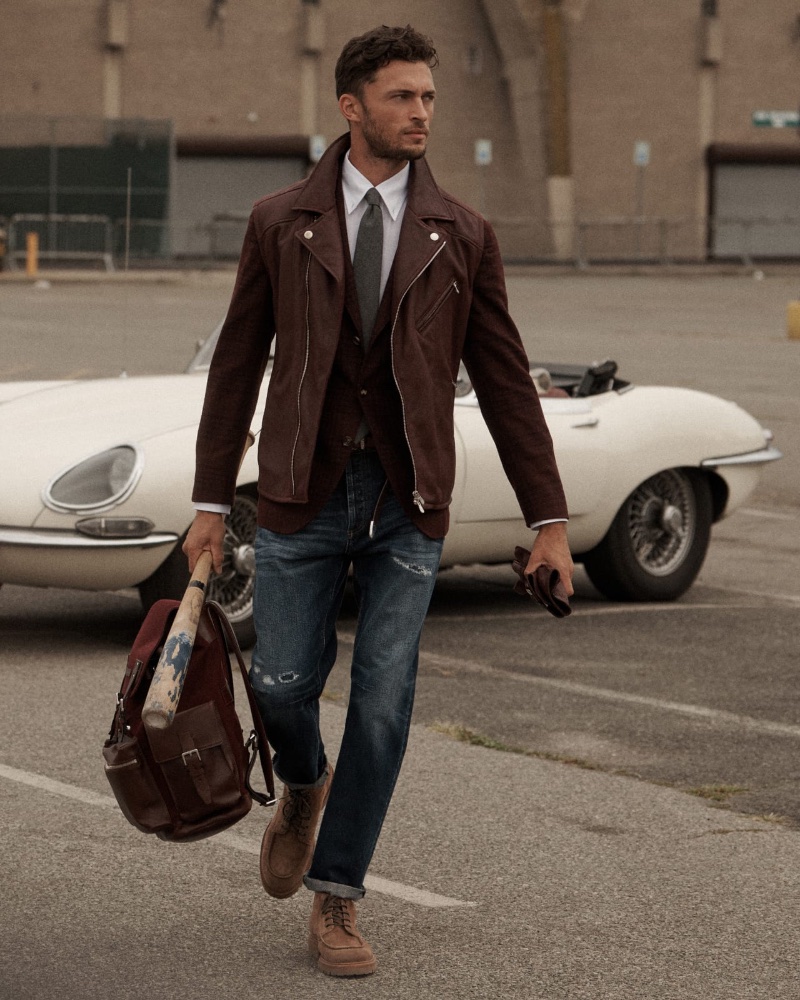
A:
x: 375, y: 169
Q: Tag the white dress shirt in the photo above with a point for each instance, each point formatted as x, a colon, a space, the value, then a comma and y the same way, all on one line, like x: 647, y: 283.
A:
x: 394, y: 194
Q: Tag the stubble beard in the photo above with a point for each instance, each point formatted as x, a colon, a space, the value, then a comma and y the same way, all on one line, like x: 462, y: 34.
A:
x: 383, y: 147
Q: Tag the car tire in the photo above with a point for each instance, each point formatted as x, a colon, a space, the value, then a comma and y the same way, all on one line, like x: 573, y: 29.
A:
x: 233, y: 587
x: 657, y: 541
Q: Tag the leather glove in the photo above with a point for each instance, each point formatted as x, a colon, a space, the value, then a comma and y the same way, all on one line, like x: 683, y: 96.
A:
x: 543, y: 585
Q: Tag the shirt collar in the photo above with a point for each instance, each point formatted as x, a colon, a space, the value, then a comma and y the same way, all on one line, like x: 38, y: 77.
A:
x: 355, y: 185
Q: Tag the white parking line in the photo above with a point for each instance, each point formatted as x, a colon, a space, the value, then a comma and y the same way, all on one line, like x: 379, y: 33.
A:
x: 384, y: 886
x: 785, y: 598
x: 772, y: 515
x: 611, y: 609
x: 748, y: 723
x: 45, y: 784
x: 745, y: 722
x: 409, y: 893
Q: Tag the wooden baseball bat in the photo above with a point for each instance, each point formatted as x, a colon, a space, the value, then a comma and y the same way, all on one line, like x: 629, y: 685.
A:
x: 170, y: 673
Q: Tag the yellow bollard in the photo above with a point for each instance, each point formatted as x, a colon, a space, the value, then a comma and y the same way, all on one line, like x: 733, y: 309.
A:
x: 32, y: 255
x: 793, y: 321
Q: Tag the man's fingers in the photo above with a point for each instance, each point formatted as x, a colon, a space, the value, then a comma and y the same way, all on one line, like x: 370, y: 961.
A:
x: 555, y: 555
x: 206, y: 534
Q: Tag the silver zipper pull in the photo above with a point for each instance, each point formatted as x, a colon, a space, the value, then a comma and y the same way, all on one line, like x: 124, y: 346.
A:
x: 416, y: 496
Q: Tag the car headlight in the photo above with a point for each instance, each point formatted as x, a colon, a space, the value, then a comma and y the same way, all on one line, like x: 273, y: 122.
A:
x: 96, y: 483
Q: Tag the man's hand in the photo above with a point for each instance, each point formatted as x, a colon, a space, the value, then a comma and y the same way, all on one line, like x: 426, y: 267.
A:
x: 205, y: 535
x: 551, y: 548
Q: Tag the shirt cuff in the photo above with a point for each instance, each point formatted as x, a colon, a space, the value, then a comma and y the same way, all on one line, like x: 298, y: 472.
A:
x: 214, y: 508
x: 550, y: 520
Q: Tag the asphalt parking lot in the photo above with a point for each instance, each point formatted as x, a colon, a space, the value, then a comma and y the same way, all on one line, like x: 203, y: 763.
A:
x: 604, y: 807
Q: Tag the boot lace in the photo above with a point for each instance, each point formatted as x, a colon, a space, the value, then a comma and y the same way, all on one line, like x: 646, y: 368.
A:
x: 336, y: 913
x: 297, y: 813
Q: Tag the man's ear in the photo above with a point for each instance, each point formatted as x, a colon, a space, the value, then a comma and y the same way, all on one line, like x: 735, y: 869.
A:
x: 350, y: 106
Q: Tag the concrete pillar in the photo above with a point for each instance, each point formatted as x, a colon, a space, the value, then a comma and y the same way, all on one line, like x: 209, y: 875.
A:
x: 514, y: 28
x: 793, y: 320
x: 710, y: 54
x: 560, y: 188
x: 312, y: 31
x: 112, y: 84
x: 116, y: 41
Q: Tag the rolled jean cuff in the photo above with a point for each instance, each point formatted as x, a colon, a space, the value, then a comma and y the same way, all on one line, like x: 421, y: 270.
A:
x: 296, y: 787
x: 334, y: 888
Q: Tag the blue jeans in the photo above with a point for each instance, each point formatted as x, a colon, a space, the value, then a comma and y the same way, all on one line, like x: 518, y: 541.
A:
x: 300, y: 581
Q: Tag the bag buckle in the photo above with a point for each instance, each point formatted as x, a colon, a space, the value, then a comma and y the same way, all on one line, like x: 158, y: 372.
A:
x: 187, y: 755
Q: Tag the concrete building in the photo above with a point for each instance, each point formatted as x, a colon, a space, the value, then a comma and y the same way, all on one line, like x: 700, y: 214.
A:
x: 613, y: 128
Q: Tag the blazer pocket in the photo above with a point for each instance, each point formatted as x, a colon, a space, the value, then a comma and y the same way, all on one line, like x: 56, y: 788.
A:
x: 428, y: 315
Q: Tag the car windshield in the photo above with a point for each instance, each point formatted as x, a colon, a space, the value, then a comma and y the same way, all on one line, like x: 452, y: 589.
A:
x: 202, y: 358
x: 205, y: 351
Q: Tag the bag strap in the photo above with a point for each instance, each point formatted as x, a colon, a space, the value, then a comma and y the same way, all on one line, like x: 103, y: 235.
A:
x: 258, y: 738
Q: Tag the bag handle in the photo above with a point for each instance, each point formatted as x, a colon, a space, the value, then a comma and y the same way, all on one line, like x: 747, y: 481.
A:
x: 259, y: 736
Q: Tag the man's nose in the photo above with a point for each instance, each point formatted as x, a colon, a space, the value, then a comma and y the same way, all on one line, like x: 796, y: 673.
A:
x: 419, y: 111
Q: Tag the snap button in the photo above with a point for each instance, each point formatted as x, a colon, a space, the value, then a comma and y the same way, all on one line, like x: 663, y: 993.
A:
x: 434, y: 236
x: 308, y: 234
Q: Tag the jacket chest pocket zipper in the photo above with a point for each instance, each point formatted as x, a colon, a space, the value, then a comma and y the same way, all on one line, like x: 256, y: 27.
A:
x: 437, y: 305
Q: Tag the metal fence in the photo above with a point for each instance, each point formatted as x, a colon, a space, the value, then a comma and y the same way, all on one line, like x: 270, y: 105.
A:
x: 112, y: 243
x: 101, y: 240
x: 666, y: 241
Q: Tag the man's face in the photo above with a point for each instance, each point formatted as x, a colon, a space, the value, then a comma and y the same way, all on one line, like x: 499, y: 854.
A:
x: 396, y: 109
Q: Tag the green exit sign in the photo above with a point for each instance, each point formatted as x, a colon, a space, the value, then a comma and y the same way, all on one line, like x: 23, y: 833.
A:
x: 776, y: 119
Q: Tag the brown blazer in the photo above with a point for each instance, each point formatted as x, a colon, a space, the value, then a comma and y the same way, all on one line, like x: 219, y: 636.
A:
x: 448, y: 301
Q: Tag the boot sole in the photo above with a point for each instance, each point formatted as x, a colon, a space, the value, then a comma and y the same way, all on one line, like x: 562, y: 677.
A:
x: 283, y: 894
x: 345, y: 969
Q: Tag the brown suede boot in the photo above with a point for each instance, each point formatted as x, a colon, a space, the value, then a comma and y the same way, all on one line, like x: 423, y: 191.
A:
x: 288, y: 844
x: 333, y: 939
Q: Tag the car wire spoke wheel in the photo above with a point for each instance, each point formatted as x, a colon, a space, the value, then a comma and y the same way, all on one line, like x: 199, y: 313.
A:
x: 661, y: 522
x: 658, y: 539
x: 233, y: 587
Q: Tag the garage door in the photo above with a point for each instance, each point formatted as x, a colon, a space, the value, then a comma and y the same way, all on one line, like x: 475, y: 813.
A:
x: 212, y: 197
x: 756, y: 210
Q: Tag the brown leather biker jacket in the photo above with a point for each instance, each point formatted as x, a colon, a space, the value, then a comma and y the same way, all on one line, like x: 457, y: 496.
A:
x: 448, y: 301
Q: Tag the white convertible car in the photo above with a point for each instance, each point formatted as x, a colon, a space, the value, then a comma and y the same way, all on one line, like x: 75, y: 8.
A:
x: 97, y: 478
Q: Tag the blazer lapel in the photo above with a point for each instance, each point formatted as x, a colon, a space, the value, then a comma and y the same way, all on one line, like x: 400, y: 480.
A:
x: 323, y: 241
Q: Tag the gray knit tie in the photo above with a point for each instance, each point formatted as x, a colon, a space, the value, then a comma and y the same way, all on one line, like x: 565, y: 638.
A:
x: 367, y: 262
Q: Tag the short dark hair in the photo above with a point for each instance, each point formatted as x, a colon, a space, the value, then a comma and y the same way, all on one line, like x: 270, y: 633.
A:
x: 364, y: 55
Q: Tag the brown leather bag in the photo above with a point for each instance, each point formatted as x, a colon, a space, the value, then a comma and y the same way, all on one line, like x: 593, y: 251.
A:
x: 192, y: 779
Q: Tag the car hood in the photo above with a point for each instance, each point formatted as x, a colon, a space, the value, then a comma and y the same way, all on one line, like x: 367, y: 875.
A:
x: 47, y: 427
x: 13, y: 390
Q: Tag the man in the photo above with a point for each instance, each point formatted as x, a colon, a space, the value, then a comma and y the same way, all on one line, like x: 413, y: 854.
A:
x: 374, y: 283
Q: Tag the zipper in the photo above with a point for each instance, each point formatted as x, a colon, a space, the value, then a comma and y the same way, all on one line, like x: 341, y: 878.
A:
x: 375, y: 512
x: 303, y: 375
x: 429, y: 316
x: 416, y: 496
